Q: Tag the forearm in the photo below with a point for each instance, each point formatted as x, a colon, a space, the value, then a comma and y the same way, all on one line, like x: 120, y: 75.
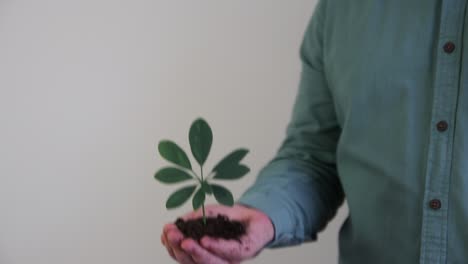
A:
x: 297, y: 199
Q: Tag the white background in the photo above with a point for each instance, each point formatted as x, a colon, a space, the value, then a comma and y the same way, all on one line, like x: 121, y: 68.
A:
x: 88, y: 88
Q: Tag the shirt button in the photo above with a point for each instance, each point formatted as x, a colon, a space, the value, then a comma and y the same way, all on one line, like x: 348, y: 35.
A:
x: 449, y: 47
x: 435, y: 204
x: 442, y: 126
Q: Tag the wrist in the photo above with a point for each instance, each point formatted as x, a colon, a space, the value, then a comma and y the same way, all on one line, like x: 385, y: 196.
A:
x: 269, y: 229
x: 263, y: 220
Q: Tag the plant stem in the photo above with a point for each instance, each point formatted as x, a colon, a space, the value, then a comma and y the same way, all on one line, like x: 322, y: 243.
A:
x: 203, y: 204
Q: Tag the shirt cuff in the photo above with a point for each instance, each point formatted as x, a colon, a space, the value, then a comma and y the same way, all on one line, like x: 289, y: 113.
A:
x: 283, y: 223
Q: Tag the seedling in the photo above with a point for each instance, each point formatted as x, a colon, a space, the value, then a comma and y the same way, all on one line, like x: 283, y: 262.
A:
x: 229, y: 168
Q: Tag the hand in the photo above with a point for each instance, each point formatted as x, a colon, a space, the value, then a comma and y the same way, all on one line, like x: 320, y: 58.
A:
x: 259, y: 231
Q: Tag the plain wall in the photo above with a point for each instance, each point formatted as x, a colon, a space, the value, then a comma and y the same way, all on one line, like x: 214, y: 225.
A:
x: 88, y: 88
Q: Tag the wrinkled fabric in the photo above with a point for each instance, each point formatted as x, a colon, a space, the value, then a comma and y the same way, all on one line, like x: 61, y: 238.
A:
x: 380, y: 121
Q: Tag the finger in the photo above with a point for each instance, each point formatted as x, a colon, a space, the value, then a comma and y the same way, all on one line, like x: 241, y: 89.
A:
x: 168, y: 248
x: 173, y: 235
x: 192, y: 215
x: 169, y: 227
x: 215, y: 210
x: 171, y: 253
x: 182, y: 257
x: 209, y: 212
x: 199, y: 254
x: 231, y: 249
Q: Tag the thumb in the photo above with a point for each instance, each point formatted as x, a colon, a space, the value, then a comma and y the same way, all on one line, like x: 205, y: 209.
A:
x: 215, y: 210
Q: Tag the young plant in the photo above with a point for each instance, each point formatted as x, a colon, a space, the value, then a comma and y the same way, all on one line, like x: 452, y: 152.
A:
x: 229, y: 168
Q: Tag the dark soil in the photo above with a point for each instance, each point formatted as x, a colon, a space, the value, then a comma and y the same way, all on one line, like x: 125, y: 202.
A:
x: 216, y: 227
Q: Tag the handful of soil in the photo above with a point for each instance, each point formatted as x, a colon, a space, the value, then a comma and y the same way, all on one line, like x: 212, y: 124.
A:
x: 216, y: 227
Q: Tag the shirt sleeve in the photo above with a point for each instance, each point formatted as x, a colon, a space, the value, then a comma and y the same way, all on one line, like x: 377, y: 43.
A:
x: 299, y: 188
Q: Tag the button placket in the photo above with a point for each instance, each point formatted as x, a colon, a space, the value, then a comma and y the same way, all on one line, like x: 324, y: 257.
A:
x: 434, y: 234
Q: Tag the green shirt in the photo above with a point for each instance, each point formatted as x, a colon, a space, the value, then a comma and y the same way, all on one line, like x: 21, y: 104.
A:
x: 381, y: 120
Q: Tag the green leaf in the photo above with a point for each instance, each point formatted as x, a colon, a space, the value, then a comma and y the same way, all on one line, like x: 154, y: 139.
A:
x: 231, y: 172
x: 201, y: 138
x: 173, y: 153
x: 206, y: 188
x: 222, y: 195
x: 231, y: 159
x: 180, y: 196
x: 172, y: 175
x: 198, y: 199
